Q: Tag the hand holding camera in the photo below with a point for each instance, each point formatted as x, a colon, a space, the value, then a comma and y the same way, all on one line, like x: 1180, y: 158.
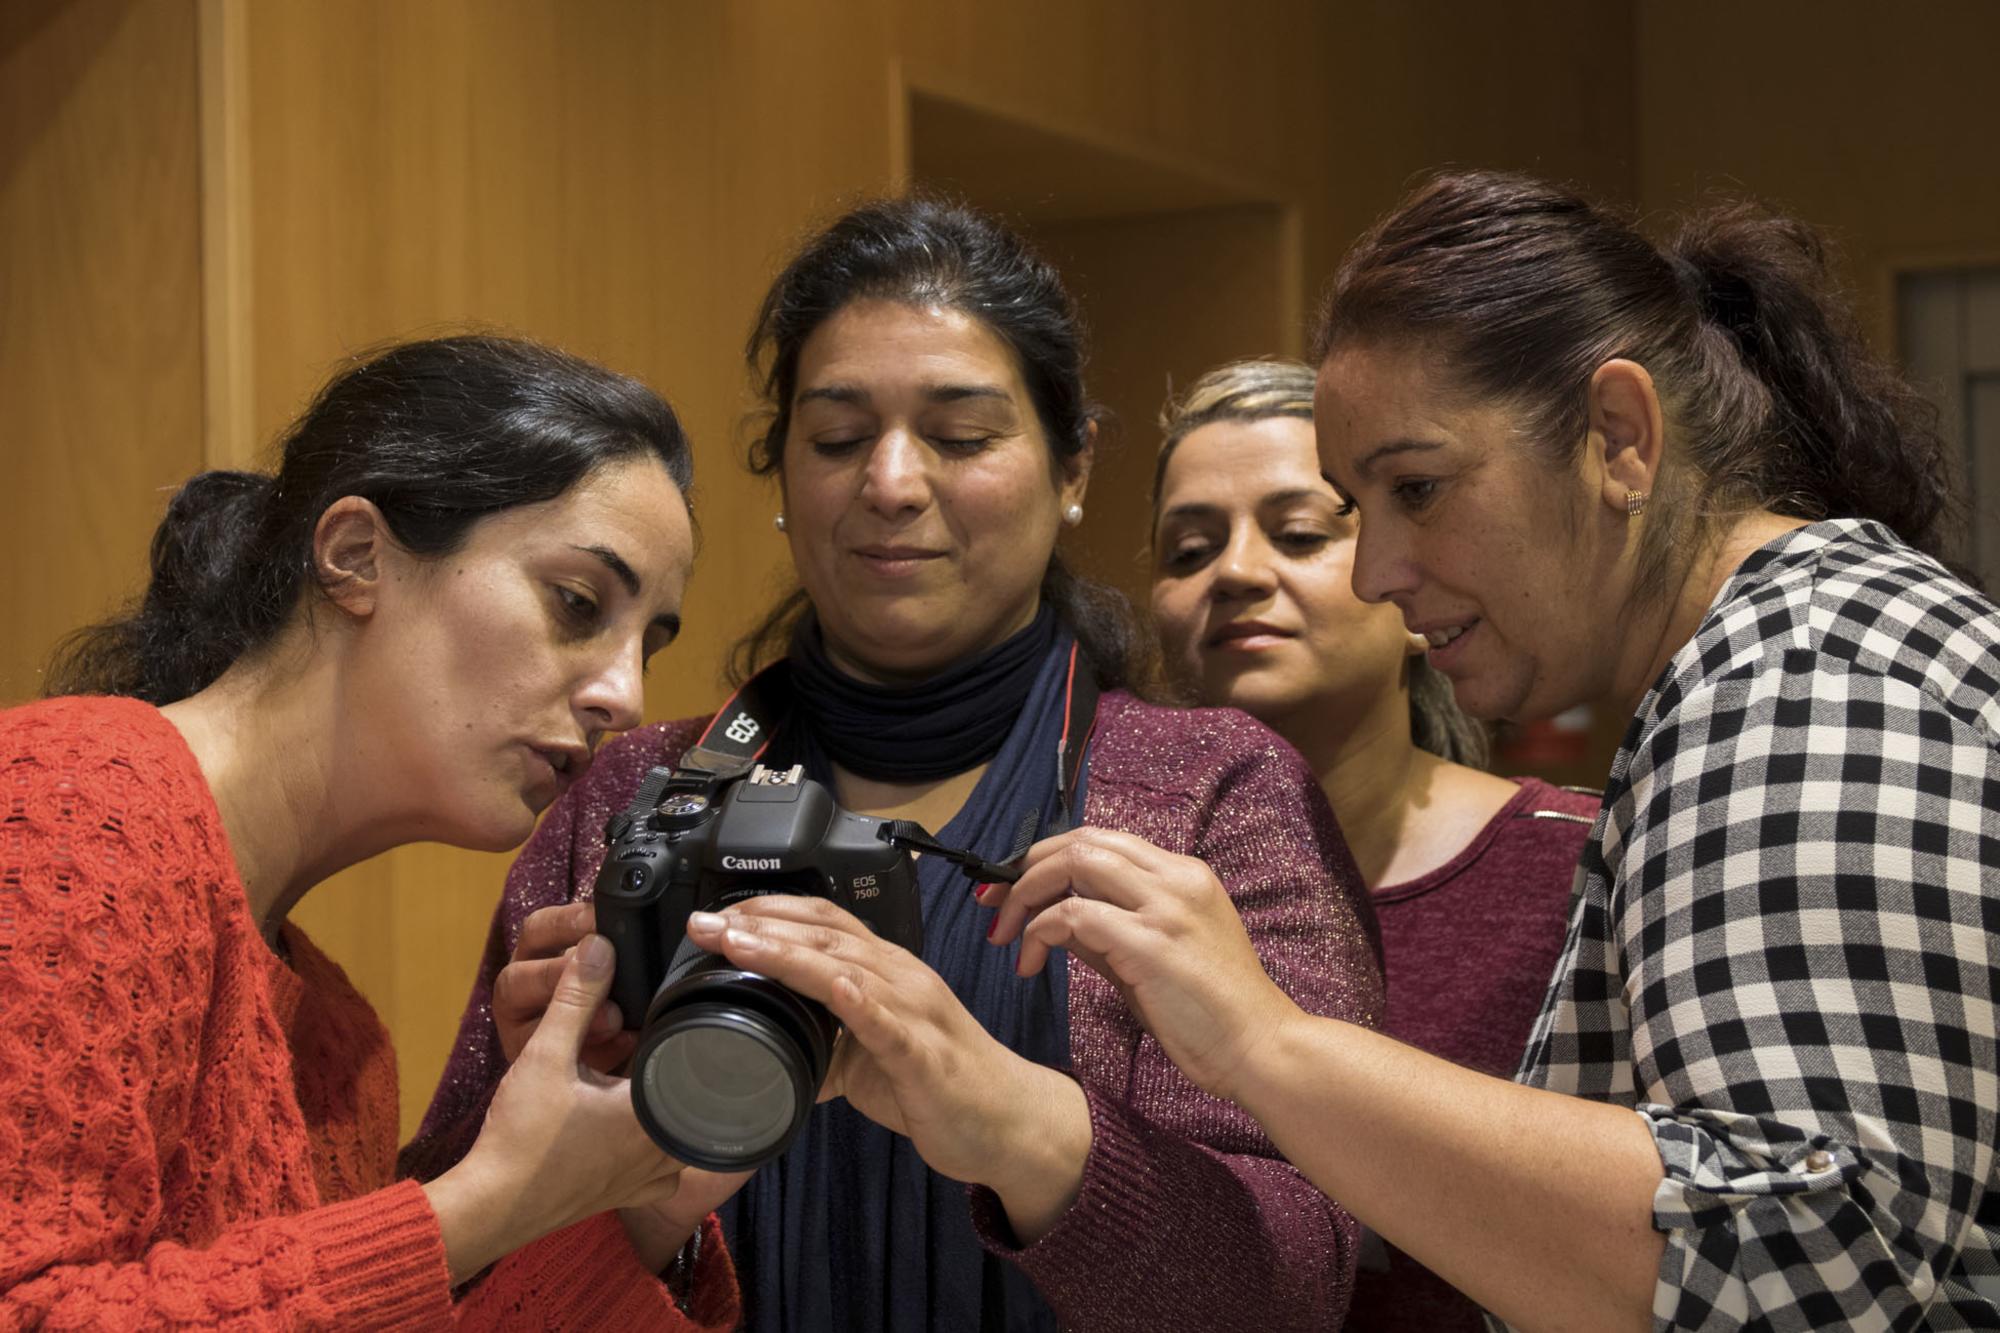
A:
x: 755, y: 918
x: 912, y: 1059
x: 522, y: 994
x: 558, y: 1143
x: 523, y: 989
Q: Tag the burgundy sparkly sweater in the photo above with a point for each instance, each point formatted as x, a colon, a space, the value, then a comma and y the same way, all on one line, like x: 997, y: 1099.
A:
x: 1472, y: 947
x: 1187, y: 1217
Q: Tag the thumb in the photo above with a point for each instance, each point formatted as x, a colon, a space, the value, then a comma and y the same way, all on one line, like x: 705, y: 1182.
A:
x: 585, y: 981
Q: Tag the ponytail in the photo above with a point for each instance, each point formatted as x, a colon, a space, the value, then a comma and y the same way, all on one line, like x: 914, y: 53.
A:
x: 1846, y: 436
x: 1523, y: 289
x: 437, y: 434
x: 208, y: 600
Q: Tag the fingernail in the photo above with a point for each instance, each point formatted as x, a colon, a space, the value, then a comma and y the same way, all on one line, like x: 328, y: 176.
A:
x: 992, y: 926
x: 704, y: 921
x: 743, y: 941
x: 593, y: 956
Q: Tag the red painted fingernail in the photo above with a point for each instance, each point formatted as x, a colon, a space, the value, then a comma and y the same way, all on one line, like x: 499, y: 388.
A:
x: 992, y: 926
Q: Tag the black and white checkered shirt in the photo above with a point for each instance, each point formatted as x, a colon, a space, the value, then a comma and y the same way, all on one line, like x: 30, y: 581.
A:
x: 1783, y: 949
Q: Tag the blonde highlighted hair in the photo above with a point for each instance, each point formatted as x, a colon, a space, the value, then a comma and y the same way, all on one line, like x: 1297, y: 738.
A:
x: 1254, y: 390
x: 1266, y: 387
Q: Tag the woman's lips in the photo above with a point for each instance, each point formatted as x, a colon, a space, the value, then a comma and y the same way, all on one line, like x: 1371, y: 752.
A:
x: 1447, y: 643
x: 1249, y: 636
x: 895, y: 561
x: 559, y: 765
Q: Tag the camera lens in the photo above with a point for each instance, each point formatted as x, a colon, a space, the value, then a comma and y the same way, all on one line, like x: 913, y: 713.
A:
x: 729, y: 1066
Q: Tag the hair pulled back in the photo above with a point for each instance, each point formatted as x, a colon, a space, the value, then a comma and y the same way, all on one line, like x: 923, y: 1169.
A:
x: 927, y: 251
x: 1522, y: 289
x: 438, y: 434
x: 1267, y: 387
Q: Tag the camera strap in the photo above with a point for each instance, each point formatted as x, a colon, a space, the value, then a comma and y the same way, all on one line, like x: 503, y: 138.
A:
x: 739, y: 733
x: 741, y: 730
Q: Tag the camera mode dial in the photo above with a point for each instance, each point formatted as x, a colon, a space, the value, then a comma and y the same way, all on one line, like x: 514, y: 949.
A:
x: 679, y: 811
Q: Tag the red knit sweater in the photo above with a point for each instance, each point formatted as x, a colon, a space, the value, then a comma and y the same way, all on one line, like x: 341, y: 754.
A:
x: 194, y: 1133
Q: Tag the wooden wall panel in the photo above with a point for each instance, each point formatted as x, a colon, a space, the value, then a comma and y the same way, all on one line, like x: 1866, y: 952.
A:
x: 1167, y: 297
x: 622, y: 177
x: 615, y: 177
x: 100, y: 313
x: 1877, y: 123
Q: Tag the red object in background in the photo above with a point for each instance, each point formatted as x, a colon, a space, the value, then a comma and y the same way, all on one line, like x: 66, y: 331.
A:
x: 1561, y: 741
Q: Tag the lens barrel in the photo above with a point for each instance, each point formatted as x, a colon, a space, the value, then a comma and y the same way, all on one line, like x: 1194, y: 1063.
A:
x: 728, y: 1066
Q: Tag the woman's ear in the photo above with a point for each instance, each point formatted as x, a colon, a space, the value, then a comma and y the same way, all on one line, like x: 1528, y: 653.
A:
x: 1076, y: 468
x: 350, y: 545
x: 1627, y: 432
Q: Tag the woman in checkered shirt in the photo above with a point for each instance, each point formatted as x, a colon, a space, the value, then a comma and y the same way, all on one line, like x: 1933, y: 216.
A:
x: 1762, y: 1090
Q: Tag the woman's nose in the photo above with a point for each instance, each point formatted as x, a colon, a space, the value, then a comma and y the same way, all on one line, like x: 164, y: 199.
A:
x: 614, y: 698
x: 1382, y: 568
x: 1244, y: 567
x: 896, y: 476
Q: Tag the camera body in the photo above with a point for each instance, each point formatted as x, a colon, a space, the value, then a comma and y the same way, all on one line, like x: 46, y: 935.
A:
x: 729, y: 1062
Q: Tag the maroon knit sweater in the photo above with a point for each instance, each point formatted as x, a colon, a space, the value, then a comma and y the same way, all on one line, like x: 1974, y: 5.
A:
x: 1471, y: 949
x: 1187, y: 1217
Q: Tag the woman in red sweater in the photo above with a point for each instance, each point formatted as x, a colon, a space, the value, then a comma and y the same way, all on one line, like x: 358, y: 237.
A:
x: 1470, y: 873
x: 418, y: 629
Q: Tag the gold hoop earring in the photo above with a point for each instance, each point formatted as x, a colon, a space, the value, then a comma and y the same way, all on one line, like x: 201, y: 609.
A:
x: 1635, y: 503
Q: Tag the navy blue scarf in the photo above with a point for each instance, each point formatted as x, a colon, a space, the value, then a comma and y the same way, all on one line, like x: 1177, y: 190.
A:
x: 849, y: 1230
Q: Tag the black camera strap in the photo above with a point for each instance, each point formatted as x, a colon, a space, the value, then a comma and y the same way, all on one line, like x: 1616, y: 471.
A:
x: 741, y: 730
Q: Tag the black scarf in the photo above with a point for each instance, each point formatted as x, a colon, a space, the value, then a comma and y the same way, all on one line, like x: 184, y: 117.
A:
x: 849, y: 1231
x: 958, y: 719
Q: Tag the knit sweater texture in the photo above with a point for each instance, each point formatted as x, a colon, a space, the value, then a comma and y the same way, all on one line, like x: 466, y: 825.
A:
x: 196, y: 1134
x: 1186, y: 1217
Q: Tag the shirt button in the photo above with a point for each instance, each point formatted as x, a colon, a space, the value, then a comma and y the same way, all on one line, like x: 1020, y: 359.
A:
x: 1818, y: 1161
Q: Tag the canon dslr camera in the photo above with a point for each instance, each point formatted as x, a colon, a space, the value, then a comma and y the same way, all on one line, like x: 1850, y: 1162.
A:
x: 729, y: 1063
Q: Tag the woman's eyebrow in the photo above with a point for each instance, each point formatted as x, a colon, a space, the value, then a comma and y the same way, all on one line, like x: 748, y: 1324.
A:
x: 851, y: 394
x: 629, y: 576
x: 1292, y: 495
x: 616, y: 564
x: 1338, y: 490
x: 1390, y: 449
x: 953, y: 393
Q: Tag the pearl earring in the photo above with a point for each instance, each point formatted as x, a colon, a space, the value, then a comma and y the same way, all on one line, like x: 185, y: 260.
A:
x: 779, y: 521
x: 1635, y: 503
x: 1073, y: 514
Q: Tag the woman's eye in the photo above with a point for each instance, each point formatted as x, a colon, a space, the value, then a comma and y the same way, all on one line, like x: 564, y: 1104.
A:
x: 1414, y: 493
x: 1300, y: 541
x: 839, y: 445
x: 1188, y: 556
x: 963, y: 444
x: 580, y: 609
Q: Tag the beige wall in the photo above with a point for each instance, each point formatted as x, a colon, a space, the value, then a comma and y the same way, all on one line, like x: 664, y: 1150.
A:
x: 100, y: 306
x: 1879, y: 123
x: 622, y: 176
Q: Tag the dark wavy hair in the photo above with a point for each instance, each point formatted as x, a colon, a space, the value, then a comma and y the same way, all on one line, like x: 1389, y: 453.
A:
x: 1521, y: 289
x: 438, y: 434
x: 928, y: 251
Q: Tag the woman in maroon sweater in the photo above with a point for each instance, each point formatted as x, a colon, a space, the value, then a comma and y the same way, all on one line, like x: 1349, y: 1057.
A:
x: 931, y: 437
x: 1470, y: 873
